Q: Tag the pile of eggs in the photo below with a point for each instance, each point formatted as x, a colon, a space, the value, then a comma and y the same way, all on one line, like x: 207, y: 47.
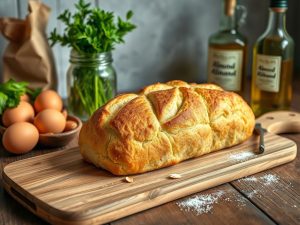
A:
x: 25, y: 122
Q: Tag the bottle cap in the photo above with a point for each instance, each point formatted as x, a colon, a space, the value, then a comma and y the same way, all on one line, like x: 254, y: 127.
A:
x: 229, y: 7
x: 279, y: 3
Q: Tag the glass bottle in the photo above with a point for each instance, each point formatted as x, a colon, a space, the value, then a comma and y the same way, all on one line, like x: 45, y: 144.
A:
x: 273, y: 64
x: 91, y: 82
x: 228, y: 50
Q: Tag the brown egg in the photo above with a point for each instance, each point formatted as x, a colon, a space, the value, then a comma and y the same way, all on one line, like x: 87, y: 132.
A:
x: 65, y: 113
x: 25, y: 98
x: 50, y: 121
x: 48, y: 99
x: 20, y: 137
x: 24, y: 112
x: 70, y: 125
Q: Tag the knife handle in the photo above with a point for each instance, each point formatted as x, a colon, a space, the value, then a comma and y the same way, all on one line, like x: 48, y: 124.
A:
x: 279, y: 122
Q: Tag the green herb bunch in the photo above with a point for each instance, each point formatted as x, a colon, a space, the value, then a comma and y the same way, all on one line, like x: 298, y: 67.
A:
x: 91, y: 30
x: 11, y: 91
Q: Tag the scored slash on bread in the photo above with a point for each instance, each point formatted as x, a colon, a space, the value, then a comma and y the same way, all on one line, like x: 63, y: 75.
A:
x: 162, y: 125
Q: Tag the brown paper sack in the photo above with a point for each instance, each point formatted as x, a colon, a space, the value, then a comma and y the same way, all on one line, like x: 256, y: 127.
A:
x: 28, y: 56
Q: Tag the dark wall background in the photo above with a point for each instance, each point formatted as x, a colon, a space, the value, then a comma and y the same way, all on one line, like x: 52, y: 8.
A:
x: 172, y: 37
x: 170, y: 41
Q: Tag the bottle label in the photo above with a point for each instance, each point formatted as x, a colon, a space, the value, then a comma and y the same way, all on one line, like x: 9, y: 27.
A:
x: 225, y: 68
x: 268, y: 72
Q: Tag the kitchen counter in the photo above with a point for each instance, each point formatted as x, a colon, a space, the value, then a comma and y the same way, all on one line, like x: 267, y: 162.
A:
x: 269, y: 197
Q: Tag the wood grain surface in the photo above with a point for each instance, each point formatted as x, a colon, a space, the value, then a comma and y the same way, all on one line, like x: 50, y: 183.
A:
x: 62, y: 188
x: 257, y: 210
x: 281, y: 200
x: 225, y: 213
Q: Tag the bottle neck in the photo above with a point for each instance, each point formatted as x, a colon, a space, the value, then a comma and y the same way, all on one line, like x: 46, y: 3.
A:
x: 228, y: 18
x: 228, y: 23
x: 277, y: 18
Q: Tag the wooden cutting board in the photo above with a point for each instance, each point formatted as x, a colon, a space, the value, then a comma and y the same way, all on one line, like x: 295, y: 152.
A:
x: 62, y: 189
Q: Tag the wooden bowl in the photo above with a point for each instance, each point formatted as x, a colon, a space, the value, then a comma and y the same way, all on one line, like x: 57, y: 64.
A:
x: 60, y: 139
x: 51, y: 140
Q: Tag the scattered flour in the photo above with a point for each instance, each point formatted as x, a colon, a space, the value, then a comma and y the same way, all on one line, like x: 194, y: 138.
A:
x: 249, y: 179
x: 265, y: 180
x: 236, y: 197
x: 200, y: 203
x: 251, y: 194
x: 241, y: 157
x: 269, y: 179
x: 241, y: 202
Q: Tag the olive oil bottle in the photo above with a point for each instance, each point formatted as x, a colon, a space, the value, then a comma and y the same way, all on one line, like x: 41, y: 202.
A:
x: 228, y: 50
x: 273, y: 64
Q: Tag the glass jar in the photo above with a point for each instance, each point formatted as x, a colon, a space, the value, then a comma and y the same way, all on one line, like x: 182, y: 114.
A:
x: 91, y: 82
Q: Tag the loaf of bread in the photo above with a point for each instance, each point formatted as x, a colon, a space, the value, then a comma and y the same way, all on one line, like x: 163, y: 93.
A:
x: 162, y: 125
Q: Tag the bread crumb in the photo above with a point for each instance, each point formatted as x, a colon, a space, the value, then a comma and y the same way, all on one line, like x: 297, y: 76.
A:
x: 129, y: 179
x: 175, y: 176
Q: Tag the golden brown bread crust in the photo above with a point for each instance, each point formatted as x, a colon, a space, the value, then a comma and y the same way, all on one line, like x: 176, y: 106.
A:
x: 163, y: 125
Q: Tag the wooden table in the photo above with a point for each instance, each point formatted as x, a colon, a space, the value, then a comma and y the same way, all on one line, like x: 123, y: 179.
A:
x: 244, y: 202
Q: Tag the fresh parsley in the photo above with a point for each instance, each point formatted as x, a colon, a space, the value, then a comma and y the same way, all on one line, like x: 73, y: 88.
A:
x: 10, y: 93
x: 33, y: 93
x: 91, y: 30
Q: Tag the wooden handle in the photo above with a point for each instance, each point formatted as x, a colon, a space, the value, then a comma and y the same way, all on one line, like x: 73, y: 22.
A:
x: 280, y: 122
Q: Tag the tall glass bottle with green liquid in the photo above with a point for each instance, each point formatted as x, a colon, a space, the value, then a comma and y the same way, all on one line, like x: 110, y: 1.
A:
x: 273, y: 64
x: 228, y: 49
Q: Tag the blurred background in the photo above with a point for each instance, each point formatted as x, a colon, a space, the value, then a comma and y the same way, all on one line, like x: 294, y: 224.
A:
x: 171, y: 39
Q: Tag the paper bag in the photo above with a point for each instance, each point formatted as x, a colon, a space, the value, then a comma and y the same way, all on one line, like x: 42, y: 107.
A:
x: 28, y: 56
